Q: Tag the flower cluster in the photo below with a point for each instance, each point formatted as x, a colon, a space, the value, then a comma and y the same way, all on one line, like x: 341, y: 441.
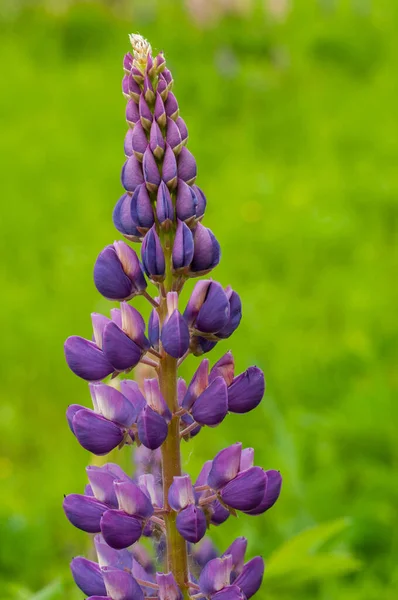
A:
x: 162, y: 208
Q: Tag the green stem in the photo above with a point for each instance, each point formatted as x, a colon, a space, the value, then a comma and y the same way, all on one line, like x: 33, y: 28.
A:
x: 177, y: 558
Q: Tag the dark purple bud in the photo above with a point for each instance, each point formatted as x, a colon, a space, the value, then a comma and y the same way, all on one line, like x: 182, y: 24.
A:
x: 207, y: 251
x: 119, y: 529
x: 145, y: 113
x: 191, y: 523
x: 101, y: 482
x: 214, y: 312
x: 148, y: 90
x: 156, y: 140
x: 70, y: 413
x: 149, y: 69
x: 237, y: 550
x: 181, y: 493
x: 132, y: 174
x: 154, y: 329
x: 200, y: 345
x: 139, y: 141
x: 125, y: 86
x: 119, y: 349
x: 183, y: 129
x: 231, y: 592
x: 201, y: 200
x: 169, y: 168
x: 133, y: 500
x: 128, y: 143
x: 141, y: 208
x: 84, y: 512
x: 128, y: 62
x: 205, y: 552
x: 246, y: 459
x: 164, y: 205
x: 219, y: 514
x: 118, y: 273
x: 246, y: 490
x: 168, y: 588
x: 120, y: 585
x: 224, y: 367
x: 151, y: 171
x: 95, y: 433
x: 171, y: 104
x: 183, y: 247
x: 175, y: 335
x: 87, y: 576
x: 196, y: 300
x: 225, y: 466
x: 250, y: 579
x: 160, y: 62
x: 212, y: 405
x: 152, y: 256
x: 271, y: 493
x: 159, y: 111
x: 86, y: 360
x: 235, y: 314
x: 246, y: 390
x: 162, y: 88
x: 132, y: 392
x: 168, y: 76
x: 123, y: 220
x: 111, y: 404
x: 152, y: 428
x: 187, y: 169
x: 186, y: 202
x: 99, y: 598
x: 131, y: 88
x: 215, y: 575
x: 132, y: 113
x: 173, y: 136
x: 155, y: 399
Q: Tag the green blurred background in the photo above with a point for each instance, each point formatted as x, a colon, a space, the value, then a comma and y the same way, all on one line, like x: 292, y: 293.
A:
x: 292, y: 114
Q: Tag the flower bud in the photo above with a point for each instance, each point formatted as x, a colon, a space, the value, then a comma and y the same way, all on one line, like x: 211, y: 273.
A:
x: 155, y: 399
x: 120, y: 530
x: 141, y: 209
x: 215, y: 575
x: 145, y: 113
x: 246, y: 490
x: 235, y: 314
x: 122, y: 352
x: 156, y: 141
x: 173, y: 136
x: 112, y: 405
x: 225, y: 466
x: 183, y: 130
x: 186, y: 202
x: 132, y: 113
x: 175, y: 335
x: 250, y: 578
x: 151, y: 171
x: 237, y: 550
x: 95, y: 433
x: 271, y: 493
x: 168, y: 76
x: 120, y: 585
x: 196, y: 300
x: 139, y: 141
x: 214, y: 312
x: 164, y: 206
x: 87, y: 576
x: 148, y: 90
x: 181, y: 493
x: 133, y: 500
x: 132, y: 175
x: 127, y: 62
x: 162, y: 88
x: 159, y: 111
x: 128, y: 143
x: 137, y: 75
x: 186, y: 163
x: 152, y: 428
x: 123, y: 220
x: 201, y: 202
x: 207, y: 251
x: 169, y: 168
x: 224, y: 367
x: 171, y: 104
x: 191, y: 523
x: 118, y: 274
x: 84, y: 512
x: 182, y: 253
x: 246, y: 390
x: 199, y: 383
x: 211, y: 407
x: 152, y: 256
x: 154, y: 329
x: 168, y: 588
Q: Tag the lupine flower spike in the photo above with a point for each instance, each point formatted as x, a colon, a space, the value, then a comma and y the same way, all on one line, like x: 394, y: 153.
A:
x: 162, y: 209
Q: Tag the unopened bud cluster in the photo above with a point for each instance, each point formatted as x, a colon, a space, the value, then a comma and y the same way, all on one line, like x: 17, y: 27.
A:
x: 162, y: 208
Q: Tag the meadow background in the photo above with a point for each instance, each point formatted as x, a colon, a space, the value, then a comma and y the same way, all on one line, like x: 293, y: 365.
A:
x: 292, y: 114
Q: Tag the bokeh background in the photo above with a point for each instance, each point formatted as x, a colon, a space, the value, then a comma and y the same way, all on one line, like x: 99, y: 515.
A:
x: 292, y: 114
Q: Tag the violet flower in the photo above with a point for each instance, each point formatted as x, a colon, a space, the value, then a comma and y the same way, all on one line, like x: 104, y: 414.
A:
x: 162, y: 208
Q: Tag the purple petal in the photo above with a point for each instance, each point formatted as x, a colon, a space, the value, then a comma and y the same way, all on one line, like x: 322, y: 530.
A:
x: 175, y: 335
x: 224, y: 367
x: 120, y: 585
x: 101, y: 482
x: 119, y: 349
x: 70, y: 413
x: 246, y: 490
x: 168, y: 588
x: 246, y: 390
x: 215, y: 575
x: 154, y: 329
x: 112, y: 405
x: 207, y: 251
x: 183, y: 246
x: 109, y: 277
x: 200, y: 345
x: 141, y: 208
x: 235, y: 315
x: 251, y: 577
x: 159, y: 111
x: 145, y: 113
x: 123, y: 220
x: 132, y: 112
x: 171, y: 104
x: 152, y: 255
x: 201, y: 201
x: 96, y: 434
x: 132, y: 500
x: 183, y: 129
x: 152, y: 428
x: 214, y: 313
x: 173, y: 136
x: 191, y: 523
x: 186, y: 165
x: 84, y: 512
x: 119, y: 529
x: 181, y: 493
x: 133, y: 325
x: 246, y: 459
x: 237, y: 550
x: 87, y: 576
x: 164, y: 205
x: 186, y: 201
x: 169, y: 168
x: 150, y: 170
x: 139, y: 141
x: 86, y: 360
x: 156, y: 140
x: 205, y: 552
x: 109, y: 557
x: 271, y: 493
x: 132, y: 175
x: 196, y: 300
x: 155, y: 399
x: 212, y: 405
x: 128, y: 143
x: 219, y: 514
x: 198, y: 384
x: 130, y: 389
x: 225, y: 466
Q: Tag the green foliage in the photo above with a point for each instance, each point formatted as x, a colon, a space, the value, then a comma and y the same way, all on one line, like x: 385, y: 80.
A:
x: 294, y: 127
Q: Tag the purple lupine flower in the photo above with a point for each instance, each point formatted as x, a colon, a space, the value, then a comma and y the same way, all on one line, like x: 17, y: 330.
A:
x: 162, y: 207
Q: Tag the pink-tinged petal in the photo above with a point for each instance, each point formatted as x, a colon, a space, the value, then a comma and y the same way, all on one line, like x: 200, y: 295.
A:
x: 225, y: 466
x: 215, y: 575
x: 132, y: 500
x: 224, y: 367
x: 112, y: 405
x: 132, y: 175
